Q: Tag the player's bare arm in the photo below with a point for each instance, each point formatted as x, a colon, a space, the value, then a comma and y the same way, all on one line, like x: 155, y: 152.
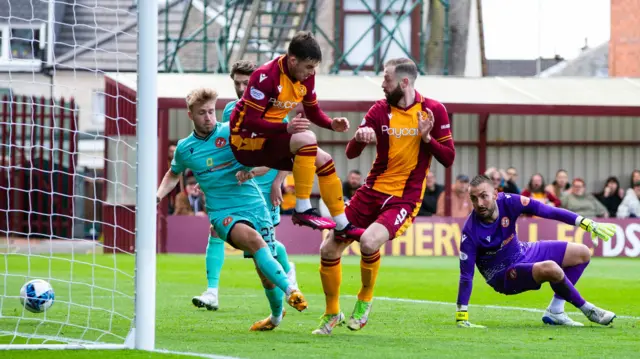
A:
x: 276, y: 188
x: 243, y: 176
x: 169, y: 182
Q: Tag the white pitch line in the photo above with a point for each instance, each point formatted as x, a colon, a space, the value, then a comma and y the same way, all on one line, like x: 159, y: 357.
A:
x: 200, y: 355
x: 486, y: 306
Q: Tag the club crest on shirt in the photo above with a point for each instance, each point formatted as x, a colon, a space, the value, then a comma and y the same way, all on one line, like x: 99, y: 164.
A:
x: 512, y: 274
x: 220, y: 142
x: 302, y: 90
x: 505, y: 222
x: 226, y: 221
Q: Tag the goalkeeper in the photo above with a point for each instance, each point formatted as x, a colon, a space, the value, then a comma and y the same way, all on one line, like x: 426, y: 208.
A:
x: 489, y: 240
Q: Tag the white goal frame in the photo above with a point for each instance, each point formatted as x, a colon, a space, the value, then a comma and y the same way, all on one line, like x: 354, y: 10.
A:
x: 142, y: 336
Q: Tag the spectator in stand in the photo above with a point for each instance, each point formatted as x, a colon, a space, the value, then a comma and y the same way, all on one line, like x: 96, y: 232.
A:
x: 460, y: 202
x: 630, y: 206
x: 611, y: 195
x: 509, y: 178
x: 560, y: 185
x: 536, y: 190
x: 191, y: 200
x: 430, y: 197
x: 353, y: 182
x: 583, y: 203
x: 496, y: 178
x: 635, y: 177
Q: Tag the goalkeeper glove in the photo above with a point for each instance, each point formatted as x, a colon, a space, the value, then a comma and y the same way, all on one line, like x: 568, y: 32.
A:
x: 462, y: 320
x: 603, y: 231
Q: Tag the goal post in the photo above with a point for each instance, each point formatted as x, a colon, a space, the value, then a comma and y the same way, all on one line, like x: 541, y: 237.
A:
x: 59, y: 171
x: 147, y: 182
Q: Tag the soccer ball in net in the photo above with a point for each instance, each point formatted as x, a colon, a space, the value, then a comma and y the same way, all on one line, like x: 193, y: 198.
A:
x: 37, y: 295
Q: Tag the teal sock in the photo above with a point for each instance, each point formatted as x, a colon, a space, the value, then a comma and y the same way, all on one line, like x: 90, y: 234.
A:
x: 214, y: 261
x: 271, y: 269
x: 283, y: 258
x: 275, y: 296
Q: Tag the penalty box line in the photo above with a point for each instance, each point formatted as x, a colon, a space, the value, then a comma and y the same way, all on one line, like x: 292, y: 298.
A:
x: 485, y: 306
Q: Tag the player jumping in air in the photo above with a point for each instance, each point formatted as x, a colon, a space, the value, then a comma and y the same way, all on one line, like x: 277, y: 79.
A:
x: 214, y: 259
x: 409, y: 130
x: 489, y: 241
x: 237, y: 213
x: 259, y: 137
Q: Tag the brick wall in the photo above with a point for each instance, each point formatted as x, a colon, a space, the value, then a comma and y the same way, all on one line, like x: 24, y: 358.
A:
x: 624, y: 46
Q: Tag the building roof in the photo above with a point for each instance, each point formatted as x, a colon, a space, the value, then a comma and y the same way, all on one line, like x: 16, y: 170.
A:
x: 502, y: 95
x: 518, y: 67
x: 592, y: 62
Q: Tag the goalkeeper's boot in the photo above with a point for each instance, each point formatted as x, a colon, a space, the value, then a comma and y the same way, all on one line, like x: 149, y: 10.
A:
x: 296, y: 300
x: 599, y: 316
x: 328, y: 322
x: 208, y: 299
x: 312, y: 218
x: 269, y: 323
x: 559, y: 319
x: 360, y: 315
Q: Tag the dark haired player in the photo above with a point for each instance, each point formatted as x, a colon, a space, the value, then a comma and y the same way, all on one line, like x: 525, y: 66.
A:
x: 259, y: 137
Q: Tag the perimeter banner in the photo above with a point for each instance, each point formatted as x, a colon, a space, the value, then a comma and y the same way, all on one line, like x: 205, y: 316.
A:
x: 427, y: 237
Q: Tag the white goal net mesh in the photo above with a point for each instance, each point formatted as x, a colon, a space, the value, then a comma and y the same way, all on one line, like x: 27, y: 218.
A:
x: 67, y: 169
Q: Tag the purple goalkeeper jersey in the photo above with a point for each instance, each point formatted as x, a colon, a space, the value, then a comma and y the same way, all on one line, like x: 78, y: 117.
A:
x: 494, y: 247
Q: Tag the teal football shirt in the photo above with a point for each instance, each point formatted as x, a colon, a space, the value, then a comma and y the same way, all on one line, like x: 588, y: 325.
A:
x: 215, y: 167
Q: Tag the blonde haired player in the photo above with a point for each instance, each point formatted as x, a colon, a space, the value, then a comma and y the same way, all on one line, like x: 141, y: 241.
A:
x: 207, y: 153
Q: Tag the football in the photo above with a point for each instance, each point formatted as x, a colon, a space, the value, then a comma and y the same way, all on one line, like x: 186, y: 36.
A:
x: 37, y: 295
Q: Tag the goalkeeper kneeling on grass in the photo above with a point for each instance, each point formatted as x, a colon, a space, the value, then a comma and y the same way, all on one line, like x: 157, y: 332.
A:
x: 509, y: 266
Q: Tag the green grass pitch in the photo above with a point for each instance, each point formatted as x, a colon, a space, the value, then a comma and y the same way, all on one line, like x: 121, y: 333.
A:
x: 412, y: 317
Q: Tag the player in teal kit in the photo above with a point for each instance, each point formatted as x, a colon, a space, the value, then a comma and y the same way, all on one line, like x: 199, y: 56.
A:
x: 207, y: 153
x: 240, y: 73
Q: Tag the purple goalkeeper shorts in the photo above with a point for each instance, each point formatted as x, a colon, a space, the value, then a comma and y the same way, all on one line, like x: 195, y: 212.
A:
x: 518, y: 277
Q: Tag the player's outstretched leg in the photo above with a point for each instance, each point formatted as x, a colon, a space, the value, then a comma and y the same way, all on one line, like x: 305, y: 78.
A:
x: 331, y: 193
x: 305, y: 148
x: 247, y: 239
x: 283, y: 259
x: 550, y: 271
x: 575, y: 260
x: 331, y: 276
x: 275, y: 297
x: 214, y: 260
x: 373, y: 238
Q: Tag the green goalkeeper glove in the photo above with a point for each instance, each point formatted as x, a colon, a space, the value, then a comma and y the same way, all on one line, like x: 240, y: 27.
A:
x: 603, y: 231
x: 462, y: 320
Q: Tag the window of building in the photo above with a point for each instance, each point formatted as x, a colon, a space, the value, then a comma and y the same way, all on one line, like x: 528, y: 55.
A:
x: 359, y: 28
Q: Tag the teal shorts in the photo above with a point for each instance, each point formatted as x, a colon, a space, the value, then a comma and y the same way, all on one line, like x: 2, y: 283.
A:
x: 273, y: 210
x: 258, y: 219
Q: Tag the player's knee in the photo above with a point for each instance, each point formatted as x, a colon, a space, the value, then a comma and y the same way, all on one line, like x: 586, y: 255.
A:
x: 584, y: 253
x: 331, y: 248
x: 551, y: 271
x: 322, y: 158
x: 303, y: 138
x: 367, y: 245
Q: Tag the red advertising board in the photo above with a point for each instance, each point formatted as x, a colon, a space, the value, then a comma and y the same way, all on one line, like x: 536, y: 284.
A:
x: 428, y: 237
